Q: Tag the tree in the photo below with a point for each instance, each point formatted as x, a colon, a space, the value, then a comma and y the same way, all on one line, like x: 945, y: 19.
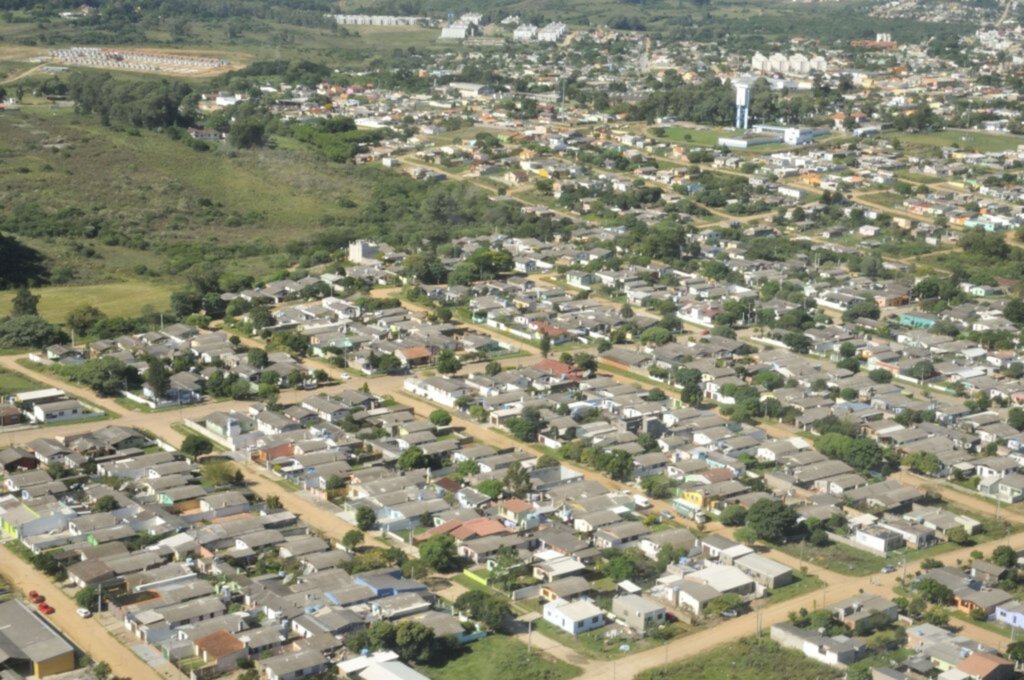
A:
x: 352, y: 539
x: 196, y: 445
x: 101, y: 671
x: 545, y: 345
x: 936, y: 615
x: 517, y: 480
x: 86, y: 598
x: 257, y: 358
x: 958, y: 535
x: 440, y: 418
x: 771, y: 520
x: 880, y: 375
x: 526, y: 426
x: 491, y: 488
x: 733, y: 515
x: 440, y: 553
x: 447, y: 362
x: 82, y: 318
x: 247, y: 132
x: 105, y: 504
x: 490, y: 609
x: 933, y: 591
x: 24, y: 303
x: 1015, y: 651
x: 492, y: 369
x: 218, y: 473
x: 1015, y: 418
x: 414, y: 641
x: 656, y: 335
x: 29, y: 331
x: 412, y: 458
x: 1004, y: 556
x: 158, y: 377
x: 723, y: 603
x: 366, y: 518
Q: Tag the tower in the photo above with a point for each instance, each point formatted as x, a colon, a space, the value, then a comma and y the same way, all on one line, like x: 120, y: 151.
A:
x: 742, y: 105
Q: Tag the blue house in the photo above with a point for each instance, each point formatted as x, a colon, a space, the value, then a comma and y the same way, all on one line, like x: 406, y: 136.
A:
x: 388, y: 582
x: 917, y: 319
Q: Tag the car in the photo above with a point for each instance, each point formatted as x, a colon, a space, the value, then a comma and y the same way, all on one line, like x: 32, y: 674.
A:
x: 48, y: 610
x: 888, y: 569
x: 730, y: 614
x: 43, y: 606
x: 32, y: 594
x: 38, y: 599
x: 346, y: 376
x: 83, y: 612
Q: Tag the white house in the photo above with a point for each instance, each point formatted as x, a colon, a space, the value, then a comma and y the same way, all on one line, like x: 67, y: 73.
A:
x: 574, y: 617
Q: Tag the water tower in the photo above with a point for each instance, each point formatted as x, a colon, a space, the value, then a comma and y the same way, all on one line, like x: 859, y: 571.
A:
x: 742, y: 104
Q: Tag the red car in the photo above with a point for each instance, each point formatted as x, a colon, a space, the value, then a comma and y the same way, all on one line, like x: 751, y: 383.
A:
x: 32, y: 594
x: 37, y: 598
x: 45, y: 608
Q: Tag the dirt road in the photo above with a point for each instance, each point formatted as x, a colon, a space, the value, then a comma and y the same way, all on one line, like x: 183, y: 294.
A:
x: 89, y: 635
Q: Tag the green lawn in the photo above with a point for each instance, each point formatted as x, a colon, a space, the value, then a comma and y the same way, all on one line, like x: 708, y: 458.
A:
x: 972, y: 140
x: 992, y: 626
x: 745, y: 659
x: 498, y: 657
x: 12, y: 382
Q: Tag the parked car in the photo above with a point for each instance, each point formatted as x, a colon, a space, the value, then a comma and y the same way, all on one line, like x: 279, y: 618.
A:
x: 730, y: 614
x: 83, y: 612
x: 37, y: 598
x: 888, y: 569
x: 45, y: 608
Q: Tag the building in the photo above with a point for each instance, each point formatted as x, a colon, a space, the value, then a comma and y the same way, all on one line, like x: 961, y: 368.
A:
x: 553, y: 32
x: 638, y: 612
x: 839, y: 651
x: 363, y: 252
x: 30, y: 645
x: 574, y: 617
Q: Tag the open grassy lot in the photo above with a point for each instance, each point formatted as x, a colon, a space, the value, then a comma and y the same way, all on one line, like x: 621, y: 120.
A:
x: 801, y: 585
x: 694, y: 136
x: 12, y: 382
x: 114, y: 299
x: 498, y: 657
x: 837, y: 557
x: 153, y: 200
x: 745, y: 659
x: 964, y: 139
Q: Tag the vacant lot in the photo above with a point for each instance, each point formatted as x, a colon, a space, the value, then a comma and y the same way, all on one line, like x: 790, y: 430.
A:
x: 114, y: 299
x: 497, y: 657
x: 12, y: 383
x: 746, y: 659
x: 837, y: 557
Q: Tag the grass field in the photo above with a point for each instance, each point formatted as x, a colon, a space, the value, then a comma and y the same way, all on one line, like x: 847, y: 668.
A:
x: 745, y: 659
x: 11, y: 383
x: 964, y: 139
x: 801, y: 585
x: 114, y: 299
x: 498, y: 657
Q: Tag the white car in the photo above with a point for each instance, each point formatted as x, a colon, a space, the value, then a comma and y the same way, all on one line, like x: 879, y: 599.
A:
x: 345, y: 376
x: 83, y: 612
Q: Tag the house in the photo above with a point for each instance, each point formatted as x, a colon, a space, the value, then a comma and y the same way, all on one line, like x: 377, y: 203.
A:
x: 293, y: 666
x: 220, y: 648
x: 59, y: 411
x: 574, y: 617
x: 766, y: 572
x: 986, y: 666
x: 638, y: 612
x: 839, y: 651
x: 1008, y: 489
x: 1011, y: 613
x: 968, y: 599
x: 694, y: 596
x: 862, y: 614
